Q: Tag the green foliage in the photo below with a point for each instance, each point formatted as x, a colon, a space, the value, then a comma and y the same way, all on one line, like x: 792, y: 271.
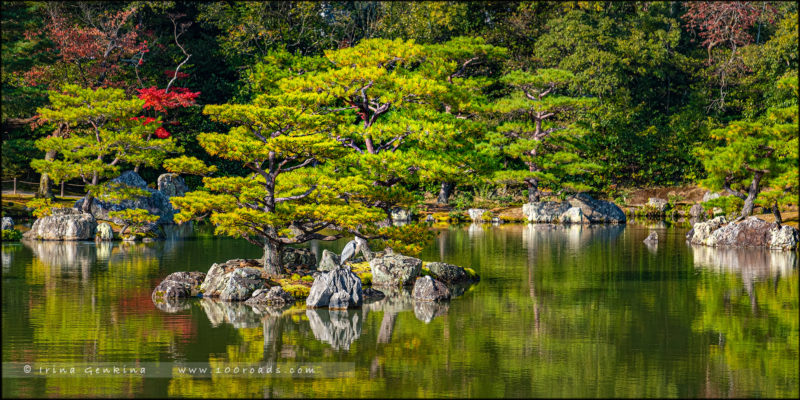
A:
x: 11, y: 235
x: 728, y: 204
x: 138, y: 219
x: 189, y: 165
x: 42, y: 207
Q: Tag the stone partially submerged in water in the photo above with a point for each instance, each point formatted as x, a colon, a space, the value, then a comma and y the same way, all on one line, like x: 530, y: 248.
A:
x: 63, y: 224
x: 450, y: 273
x: 429, y: 289
x: 751, y: 232
x: 178, y: 285
x: 340, y: 282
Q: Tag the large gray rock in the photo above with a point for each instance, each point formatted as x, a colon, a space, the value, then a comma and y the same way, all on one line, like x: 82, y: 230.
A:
x: 401, y: 215
x: 651, y: 238
x: 429, y: 289
x: 475, y: 214
x: 327, y: 284
x: 751, y: 232
x: 104, y: 232
x: 8, y: 223
x: 329, y: 261
x: 598, y: 211
x: 448, y: 272
x: 218, y: 277
x: 339, y: 301
x: 573, y: 215
x: 157, y: 203
x: 63, y: 224
x: 710, y: 196
x: 659, y: 205
x: 544, y: 211
x: 172, y: 185
x: 292, y: 257
x: 395, y: 270
x: 697, y: 211
x: 178, y: 285
x: 274, y: 296
x: 241, y: 284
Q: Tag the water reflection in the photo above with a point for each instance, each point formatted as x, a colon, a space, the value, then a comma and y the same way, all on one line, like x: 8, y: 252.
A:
x: 574, y: 235
x: 238, y: 314
x: 339, y: 328
x: 426, y: 311
x: 751, y: 264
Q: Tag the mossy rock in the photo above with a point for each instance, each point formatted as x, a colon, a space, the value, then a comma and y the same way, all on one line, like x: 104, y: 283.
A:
x: 366, y: 278
x: 307, y: 278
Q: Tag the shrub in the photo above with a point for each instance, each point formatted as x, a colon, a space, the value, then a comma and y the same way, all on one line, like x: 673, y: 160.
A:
x: 11, y: 235
x: 42, y: 207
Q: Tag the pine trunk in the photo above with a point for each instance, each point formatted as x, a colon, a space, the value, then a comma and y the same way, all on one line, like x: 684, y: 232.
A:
x: 533, y: 191
x: 752, y: 192
x: 272, y: 257
x: 45, y: 183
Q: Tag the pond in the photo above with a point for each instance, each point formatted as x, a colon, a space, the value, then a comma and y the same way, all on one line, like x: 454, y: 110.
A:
x: 559, y: 312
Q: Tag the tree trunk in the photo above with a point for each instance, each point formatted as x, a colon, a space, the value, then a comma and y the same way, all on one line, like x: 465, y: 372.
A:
x: 777, y: 213
x: 87, y: 203
x: 45, y: 183
x: 752, y: 192
x: 444, y: 192
x: 272, y: 257
x: 533, y: 191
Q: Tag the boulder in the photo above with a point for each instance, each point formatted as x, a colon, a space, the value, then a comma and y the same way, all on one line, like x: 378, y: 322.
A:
x: 327, y: 284
x: 8, y: 223
x: 429, y: 289
x: 660, y: 205
x: 710, y: 196
x: 371, y: 295
x: 172, y: 185
x: 430, y: 218
x: 63, y: 224
x: 292, y: 257
x: 241, y: 284
x: 328, y: 262
x: 544, y: 211
x: 157, y: 203
x: 475, y: 214
x: 598, y: 211
x: 218, y: 275
x: 104, y: 232
x: 178, y: 285
x: 401, y: 215
x: 339, y: 301
x: 652, y: 238
x: 448, y: 273
x: 750, y: 232
x: 784, y: 238
x: 573, y: 215
x: 274, y: 296
x: 697, y: 211
x: 717, y: 211
x: 395, y: 270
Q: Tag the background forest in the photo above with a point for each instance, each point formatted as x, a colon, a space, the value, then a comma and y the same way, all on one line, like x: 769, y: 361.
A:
x: 543, y: 97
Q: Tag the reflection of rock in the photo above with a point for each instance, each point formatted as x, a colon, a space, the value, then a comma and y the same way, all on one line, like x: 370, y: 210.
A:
x: 429, y: 289
x: 758, y: 263
x: 475, y: 230
x: 64, y: 255
x: 176, y: 231
x: 751, y: 232
x: 395, y: 269
x: 652, y: 247
x: 336, y: 327
x: 63, y: 224
x: 179, y: 285
x: 237, y: 314
x: 426, y: 311
x: 340, y: 282
x: 396, y: 299
x: 576, y: 236
x: 172, y: 305
x: 371, y: 295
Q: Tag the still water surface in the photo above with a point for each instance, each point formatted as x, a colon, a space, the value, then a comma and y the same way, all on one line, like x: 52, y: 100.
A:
x: 559, y: 312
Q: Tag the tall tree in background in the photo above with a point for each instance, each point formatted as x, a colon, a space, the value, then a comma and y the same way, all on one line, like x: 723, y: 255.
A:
x: 538, y: 126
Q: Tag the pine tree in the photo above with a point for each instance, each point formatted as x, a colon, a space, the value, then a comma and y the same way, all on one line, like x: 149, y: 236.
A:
x: 100, y: 131
x: 541, y: 127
